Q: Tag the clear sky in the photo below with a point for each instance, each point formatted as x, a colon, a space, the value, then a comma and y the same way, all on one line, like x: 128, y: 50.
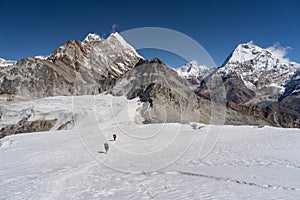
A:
x: 38, y: 27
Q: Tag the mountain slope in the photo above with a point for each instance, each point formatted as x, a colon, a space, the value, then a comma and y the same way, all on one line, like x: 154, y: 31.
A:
x: 263, y: 71
x: 152, y: 161
x: 194, y: 73
x: 166, y: 97
x: 273, y: 80
x: 76, y: 68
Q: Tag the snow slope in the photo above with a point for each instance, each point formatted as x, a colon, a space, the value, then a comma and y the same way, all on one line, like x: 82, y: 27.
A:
x: 6, y: 63
x: 148, y: 161
x: 118, y: 42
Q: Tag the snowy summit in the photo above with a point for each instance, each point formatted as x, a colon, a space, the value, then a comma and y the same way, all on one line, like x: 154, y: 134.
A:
x: 92, y: 37
x: 259, y: 67
x: 192, y: 69
x: 6, y: 63
x: 117, y: 41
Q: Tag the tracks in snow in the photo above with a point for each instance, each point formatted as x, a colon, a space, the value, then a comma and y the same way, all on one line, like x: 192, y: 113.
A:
x: 226, y: 179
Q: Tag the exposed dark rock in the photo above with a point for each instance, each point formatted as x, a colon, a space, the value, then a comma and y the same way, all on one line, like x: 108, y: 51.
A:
x: 236, y: 90
x: 167, y: 97
x: 25, y: 126
x: 271, y: 113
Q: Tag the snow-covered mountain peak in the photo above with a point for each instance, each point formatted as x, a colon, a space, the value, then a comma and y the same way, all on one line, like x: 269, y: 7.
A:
x: 192, y: 69
x: 117, y: 41
x: 92, y: 37
x: 265, y: 71
x: 117, y: 38
x: 251, y: 59
x: 249, y: 52
x: 246, y: 52
x: 6, y: 63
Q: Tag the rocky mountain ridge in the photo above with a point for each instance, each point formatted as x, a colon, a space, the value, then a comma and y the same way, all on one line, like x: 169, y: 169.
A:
x: 76, y: 68
x: 96, y: 65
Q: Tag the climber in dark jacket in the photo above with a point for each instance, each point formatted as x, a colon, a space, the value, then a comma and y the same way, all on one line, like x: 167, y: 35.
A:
x: 106, y: 147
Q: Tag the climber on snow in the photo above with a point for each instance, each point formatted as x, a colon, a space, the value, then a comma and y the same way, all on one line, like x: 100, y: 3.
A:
x: 106, y: 147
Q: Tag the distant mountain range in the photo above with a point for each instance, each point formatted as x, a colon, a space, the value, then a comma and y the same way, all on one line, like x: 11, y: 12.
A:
x: 254, y: 78
x: 261, y: 87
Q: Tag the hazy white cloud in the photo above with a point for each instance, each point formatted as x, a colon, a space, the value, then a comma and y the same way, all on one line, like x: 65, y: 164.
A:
x: 251, y: 42
x: 195, y: 62
x: 279, y: 51
x: 114, y: 28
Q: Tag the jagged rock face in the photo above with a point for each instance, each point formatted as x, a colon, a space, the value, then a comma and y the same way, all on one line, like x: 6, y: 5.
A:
x: 76, y: 68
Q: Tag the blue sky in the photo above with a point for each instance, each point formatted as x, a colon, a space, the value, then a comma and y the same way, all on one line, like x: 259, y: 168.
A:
x: 38, y: 27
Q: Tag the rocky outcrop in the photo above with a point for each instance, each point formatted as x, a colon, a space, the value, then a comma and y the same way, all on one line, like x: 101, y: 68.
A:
x: 272, y: 114
x: 25, y: 126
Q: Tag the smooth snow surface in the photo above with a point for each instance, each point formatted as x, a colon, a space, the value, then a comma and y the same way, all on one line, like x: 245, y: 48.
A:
x: 246, y: 163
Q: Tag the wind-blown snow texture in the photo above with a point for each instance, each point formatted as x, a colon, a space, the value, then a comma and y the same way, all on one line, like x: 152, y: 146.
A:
x: 247, y: 162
